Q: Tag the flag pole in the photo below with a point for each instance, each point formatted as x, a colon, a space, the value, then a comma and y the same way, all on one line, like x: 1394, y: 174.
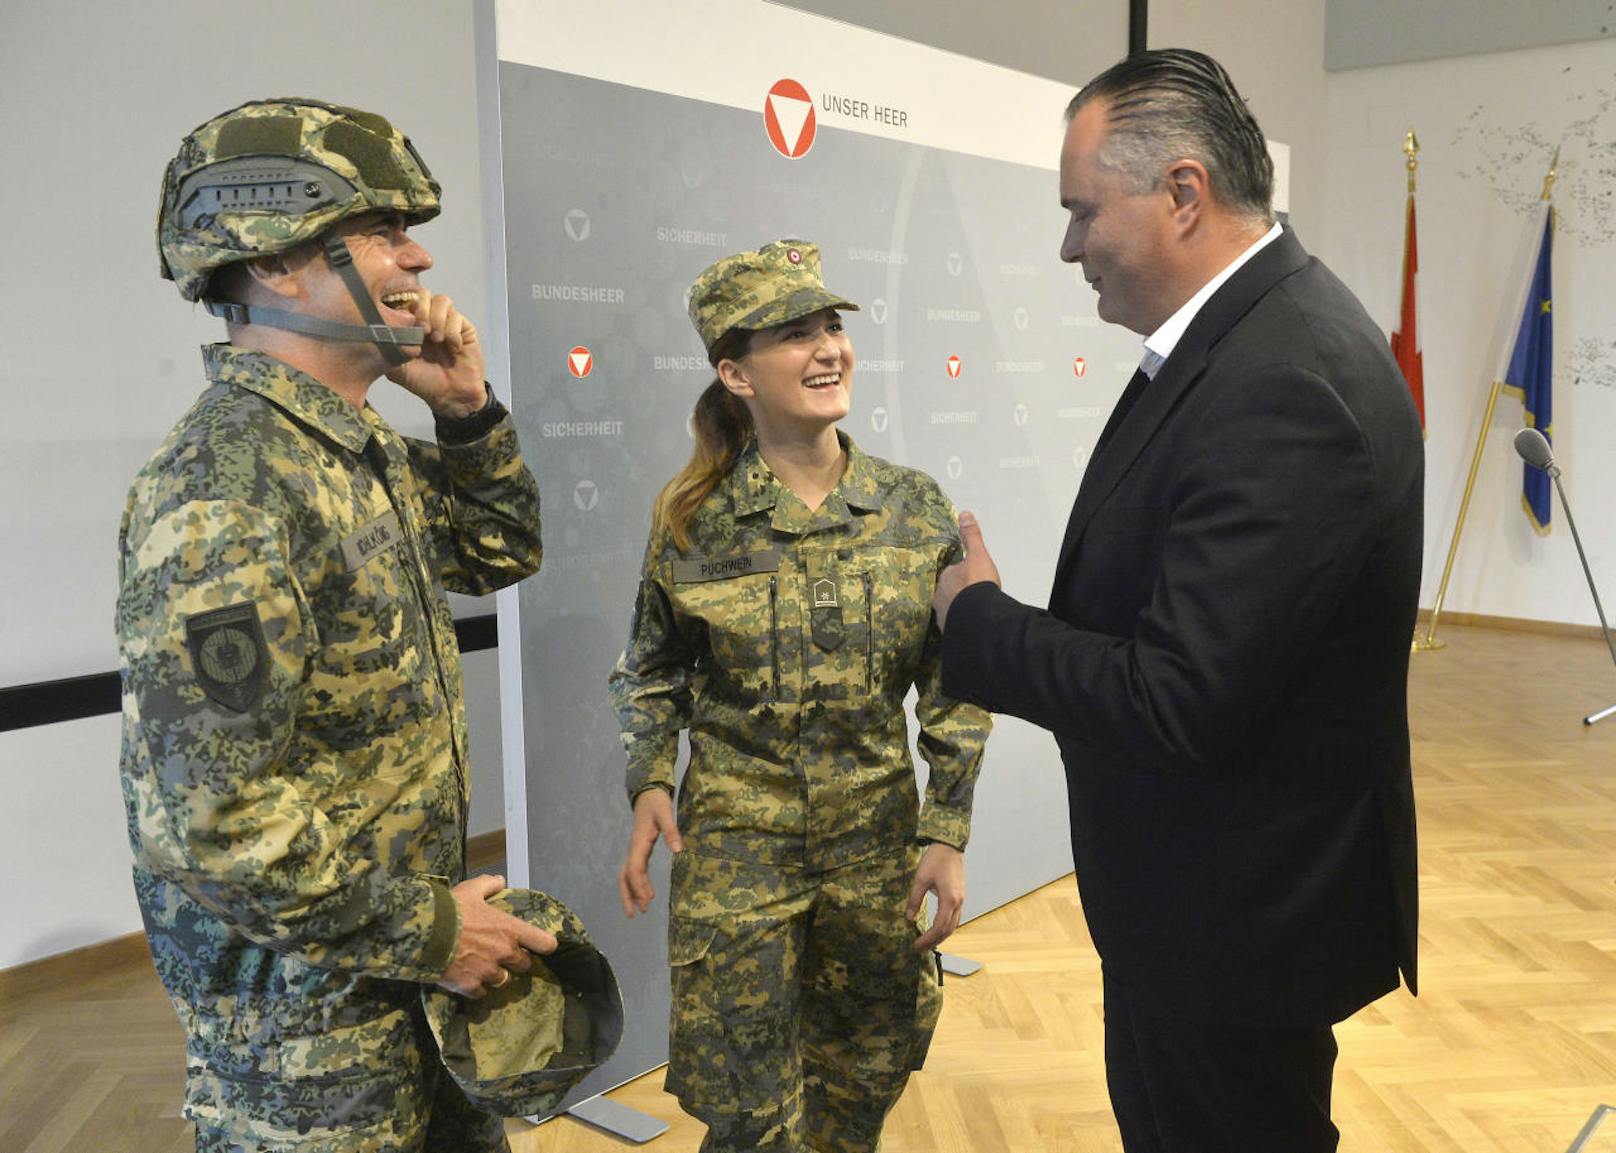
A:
x: 1429, y: 641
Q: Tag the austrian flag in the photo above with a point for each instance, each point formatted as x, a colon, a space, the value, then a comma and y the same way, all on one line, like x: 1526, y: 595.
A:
x: 1406, y: 338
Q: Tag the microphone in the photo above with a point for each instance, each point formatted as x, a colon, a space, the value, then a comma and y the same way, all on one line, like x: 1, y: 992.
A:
x: 1534, y: 449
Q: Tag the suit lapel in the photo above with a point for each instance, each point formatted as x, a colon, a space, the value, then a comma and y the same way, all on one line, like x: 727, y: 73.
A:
x: 1126, y: 437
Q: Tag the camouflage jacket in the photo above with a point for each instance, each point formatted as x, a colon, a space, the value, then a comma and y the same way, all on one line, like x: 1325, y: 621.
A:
x: 294, y: 741
x: 785, y: 641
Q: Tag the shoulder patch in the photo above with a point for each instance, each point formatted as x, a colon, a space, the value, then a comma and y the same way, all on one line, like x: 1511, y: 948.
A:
x: 228, y: 656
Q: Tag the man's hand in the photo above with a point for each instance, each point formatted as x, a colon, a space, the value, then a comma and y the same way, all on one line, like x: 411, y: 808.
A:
x: 653, y: 817
x: 448, y: 374
x: 977, y: 567
x: 493, y: 944
x: 941, y: 871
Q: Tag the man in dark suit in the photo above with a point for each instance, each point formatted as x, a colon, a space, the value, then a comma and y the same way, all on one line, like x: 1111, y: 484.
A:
x: 1224, y: 659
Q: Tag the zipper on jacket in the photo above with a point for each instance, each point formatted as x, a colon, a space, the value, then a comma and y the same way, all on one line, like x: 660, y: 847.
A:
x: 869, y: 637
x: 774, y: 635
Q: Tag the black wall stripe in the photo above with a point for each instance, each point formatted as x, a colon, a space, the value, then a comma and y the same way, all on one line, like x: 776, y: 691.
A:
x: 74, y: 698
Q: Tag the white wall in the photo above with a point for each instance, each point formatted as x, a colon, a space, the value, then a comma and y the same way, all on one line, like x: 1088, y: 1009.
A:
x: 102, y: 357
x: 1488, y: 126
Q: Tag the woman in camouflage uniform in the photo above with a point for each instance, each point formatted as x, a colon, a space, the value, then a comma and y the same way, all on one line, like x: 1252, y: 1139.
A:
x: 784, y: 612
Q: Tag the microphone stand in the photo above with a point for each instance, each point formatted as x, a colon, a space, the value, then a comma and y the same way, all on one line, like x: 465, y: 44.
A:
x: 1554, y: 473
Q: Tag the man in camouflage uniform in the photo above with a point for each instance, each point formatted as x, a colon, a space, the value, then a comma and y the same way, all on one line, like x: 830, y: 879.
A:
x: 785, y: 639
x: 294, y: 741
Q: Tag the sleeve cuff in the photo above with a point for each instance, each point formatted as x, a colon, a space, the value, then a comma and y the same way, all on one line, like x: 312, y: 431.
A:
x: 440, y: 948
x: 476, y: 426
x: 949, y: 826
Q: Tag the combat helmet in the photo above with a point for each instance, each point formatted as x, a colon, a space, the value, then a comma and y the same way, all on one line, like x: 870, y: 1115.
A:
x: 270, y: 175
x: 518, y: 1049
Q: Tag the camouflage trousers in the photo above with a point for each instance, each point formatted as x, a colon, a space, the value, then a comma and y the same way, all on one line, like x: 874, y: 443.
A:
x: 376, y: 1087
x: 800, y: 1005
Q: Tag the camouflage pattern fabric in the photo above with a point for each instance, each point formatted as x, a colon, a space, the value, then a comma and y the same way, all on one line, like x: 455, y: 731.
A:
x: 270, y: 175
x: 779, y: 282
x: 376, y: 1088
x: 294, y: 741
x: 522, y: 1046
x: 786, y: 643
x: 800, y: 1005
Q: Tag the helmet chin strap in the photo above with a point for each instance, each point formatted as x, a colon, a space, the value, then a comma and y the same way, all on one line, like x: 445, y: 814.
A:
x: 389, y: 338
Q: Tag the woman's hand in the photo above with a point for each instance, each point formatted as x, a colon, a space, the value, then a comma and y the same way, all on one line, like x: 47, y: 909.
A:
x: 941, y: 871
x: 653, y: 817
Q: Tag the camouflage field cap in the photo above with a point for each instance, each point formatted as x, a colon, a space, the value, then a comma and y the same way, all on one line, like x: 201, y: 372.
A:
x: 779, y: 282
x: 517, y: 1050
x: 272, y: 174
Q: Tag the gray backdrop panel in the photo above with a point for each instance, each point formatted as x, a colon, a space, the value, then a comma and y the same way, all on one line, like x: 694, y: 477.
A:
x: 615, y: 198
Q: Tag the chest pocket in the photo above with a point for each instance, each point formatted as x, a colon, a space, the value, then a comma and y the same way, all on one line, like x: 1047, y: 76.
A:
x: 742, y: 618
x: 870, y: 640
x: 372, y: 673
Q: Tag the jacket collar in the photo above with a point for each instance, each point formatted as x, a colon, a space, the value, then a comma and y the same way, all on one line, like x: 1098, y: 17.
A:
x: 754, y: 488
x: 1178, y: 374
x: 295, y: 393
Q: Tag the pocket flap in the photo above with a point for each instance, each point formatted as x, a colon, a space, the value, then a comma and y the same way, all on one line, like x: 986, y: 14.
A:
x: 689, y: 939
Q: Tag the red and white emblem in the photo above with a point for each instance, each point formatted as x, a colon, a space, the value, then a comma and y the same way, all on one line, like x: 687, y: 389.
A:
x: 788, y: 114
x: 580, y: 362
x: 954, y: 366
x: 1079, y: 366
x: 794, y: 256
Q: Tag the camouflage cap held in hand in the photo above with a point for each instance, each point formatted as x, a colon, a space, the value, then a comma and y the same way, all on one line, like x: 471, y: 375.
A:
x: 518, y: 1049
x: 272, y: 174
x: 779, y: 282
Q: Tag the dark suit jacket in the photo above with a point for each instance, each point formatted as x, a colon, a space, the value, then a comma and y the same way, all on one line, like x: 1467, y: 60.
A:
x: 1224, y: 660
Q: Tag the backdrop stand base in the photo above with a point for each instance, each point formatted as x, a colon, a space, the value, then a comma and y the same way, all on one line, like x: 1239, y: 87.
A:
x: 618, y: 1120
x: 956, y: 966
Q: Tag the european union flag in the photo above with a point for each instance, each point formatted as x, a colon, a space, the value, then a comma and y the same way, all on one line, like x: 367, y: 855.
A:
x: 1530, y: 375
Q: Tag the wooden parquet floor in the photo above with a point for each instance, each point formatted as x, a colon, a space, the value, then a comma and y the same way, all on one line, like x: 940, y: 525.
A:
x: 1509, y: 1048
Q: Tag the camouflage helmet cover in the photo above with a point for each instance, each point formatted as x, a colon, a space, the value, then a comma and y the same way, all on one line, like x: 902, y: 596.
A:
x: 272, y: 174
x: 518, y: 1049
x: 779, y: 282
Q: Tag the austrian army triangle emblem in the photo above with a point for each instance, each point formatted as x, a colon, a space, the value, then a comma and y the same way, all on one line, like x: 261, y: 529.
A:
x: 228, y: 655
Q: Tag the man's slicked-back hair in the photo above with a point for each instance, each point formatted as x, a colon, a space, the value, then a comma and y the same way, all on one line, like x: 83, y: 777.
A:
x: 1175, y: 104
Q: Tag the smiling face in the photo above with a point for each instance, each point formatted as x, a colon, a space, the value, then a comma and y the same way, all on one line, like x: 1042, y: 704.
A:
x: 796, y: 378
x: 1121, y: 238
x: 388, y: 260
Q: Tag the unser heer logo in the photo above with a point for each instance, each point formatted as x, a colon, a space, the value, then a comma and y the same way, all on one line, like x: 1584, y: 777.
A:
x: 878, y: 420
x: 586, y: 495
x: 1079, y: 366
x: 955, y: 466
x: 955, y: 364
x: 788, y: 115
x: 878, y: 310
x: 580, y: 361
x: 576, y: 222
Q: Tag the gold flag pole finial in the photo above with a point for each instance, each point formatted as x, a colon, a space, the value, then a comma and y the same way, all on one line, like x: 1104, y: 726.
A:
x: 1411, y: 149
x: 1554, y: 171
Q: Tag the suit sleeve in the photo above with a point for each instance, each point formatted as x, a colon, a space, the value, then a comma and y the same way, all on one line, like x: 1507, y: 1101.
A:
x: 1269, y: 520
x: 213, y: 804
x: 952, y: 736
x: 482, y: 508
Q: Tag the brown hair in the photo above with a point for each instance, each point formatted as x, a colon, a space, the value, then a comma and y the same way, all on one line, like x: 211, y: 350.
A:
x: 723, y: 428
